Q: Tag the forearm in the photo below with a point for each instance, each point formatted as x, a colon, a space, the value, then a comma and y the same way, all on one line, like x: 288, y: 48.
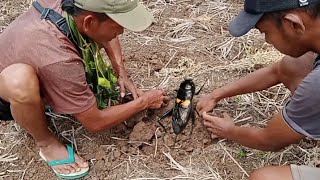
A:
x: 256, y: 81
x: 251, y: 137
x: 96, y: 120
x: 275, y: 136
x: 113, y: 50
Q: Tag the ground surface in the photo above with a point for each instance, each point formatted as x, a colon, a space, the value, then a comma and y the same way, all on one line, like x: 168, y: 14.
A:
x: 188, y: 39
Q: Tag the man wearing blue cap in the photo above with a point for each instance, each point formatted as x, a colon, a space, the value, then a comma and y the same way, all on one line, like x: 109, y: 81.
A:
x: 292, y: 27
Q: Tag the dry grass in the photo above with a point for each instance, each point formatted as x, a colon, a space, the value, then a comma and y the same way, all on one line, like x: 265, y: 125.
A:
x: 188, y: 39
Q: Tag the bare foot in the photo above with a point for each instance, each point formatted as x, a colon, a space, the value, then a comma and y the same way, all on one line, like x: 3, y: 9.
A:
x: 55, y: 150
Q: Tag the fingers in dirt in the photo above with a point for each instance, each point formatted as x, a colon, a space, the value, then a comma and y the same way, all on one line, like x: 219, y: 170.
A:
x: 166, y: 98
x: 134, y: 94
x: 133, y: 90
x: 122, y: 89
x: 226, y: 115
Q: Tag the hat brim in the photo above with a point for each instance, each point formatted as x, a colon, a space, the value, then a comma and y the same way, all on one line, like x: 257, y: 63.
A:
x: 243, y: 23
x: 135, y: 20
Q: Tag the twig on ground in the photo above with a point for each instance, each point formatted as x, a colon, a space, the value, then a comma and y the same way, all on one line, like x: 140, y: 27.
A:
x: 156, y: 147
x: 230, y: 156
x: 179, y: 167
x: 24, y: 172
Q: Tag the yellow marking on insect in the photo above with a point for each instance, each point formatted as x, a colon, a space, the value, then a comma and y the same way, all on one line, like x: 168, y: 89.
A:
x: 184, y: 103
x: 178, y: 100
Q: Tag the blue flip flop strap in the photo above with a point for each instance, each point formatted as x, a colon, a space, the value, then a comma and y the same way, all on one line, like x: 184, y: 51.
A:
x: 64, y: 161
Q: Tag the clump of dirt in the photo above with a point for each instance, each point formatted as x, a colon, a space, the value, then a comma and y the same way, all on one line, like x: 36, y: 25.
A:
x: 142, y: 132
x: 189, y: 38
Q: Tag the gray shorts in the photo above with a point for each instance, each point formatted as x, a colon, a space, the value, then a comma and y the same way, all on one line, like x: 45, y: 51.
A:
x: 305, y: 172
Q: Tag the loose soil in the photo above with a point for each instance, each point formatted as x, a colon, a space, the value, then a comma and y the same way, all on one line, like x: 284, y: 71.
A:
x: 189, y: 38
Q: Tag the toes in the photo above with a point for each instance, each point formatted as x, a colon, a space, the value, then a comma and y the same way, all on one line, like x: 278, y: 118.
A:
x: 67, y: 169
x: 70, y: 169
x: 81, y: 162
x: 64, y: 170
x: 75, y: 167
x: 58, y: 170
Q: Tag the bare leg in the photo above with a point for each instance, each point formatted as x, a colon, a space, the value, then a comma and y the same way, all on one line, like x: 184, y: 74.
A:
x: 19, y: 85
x: 272, y: 173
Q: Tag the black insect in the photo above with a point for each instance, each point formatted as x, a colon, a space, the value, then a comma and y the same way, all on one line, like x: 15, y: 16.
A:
x: 183, y: 108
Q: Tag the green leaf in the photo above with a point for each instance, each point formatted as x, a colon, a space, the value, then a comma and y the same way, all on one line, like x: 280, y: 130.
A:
x: 99, y: 73
x: 104, y: 82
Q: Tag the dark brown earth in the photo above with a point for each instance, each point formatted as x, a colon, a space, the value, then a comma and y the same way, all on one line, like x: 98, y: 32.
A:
x: 189, y: 38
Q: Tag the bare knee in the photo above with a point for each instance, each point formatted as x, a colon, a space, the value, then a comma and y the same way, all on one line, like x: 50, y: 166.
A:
x: 259, y: 174
x: 20, y: 83
x: 272, y: 173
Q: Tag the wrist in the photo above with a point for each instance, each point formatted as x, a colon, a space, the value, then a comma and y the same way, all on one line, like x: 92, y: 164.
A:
x: 216, y: 95
x: 121, y: 71
x: 142, y: 102
x: 231, y: 132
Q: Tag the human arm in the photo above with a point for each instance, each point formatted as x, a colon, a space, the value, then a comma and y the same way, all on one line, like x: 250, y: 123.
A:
x: 113, y: 50
x: 96, y: 120
x: 64, y: 86
x: 258, y: 80
x: 298, y: 119
x: 275, y: 136
x: 289, y: 71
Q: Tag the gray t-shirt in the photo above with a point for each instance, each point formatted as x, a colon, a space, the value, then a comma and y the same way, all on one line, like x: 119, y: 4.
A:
x: 302, y: 112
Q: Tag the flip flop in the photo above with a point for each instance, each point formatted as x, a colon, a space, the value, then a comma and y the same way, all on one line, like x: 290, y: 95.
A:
x: 76, y: 175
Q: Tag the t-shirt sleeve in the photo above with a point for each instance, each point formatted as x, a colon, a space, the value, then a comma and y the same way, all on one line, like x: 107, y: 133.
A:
x: 302, y: 113
x: 65, y: 87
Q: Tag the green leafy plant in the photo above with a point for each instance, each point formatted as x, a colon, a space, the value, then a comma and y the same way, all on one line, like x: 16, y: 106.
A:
x: 243, y: 153
x: 99, y: 73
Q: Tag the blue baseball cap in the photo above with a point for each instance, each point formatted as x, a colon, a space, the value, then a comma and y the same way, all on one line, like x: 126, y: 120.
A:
x: 254, y: 10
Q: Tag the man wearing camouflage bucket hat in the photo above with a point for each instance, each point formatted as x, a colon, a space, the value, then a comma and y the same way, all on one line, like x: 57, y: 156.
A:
x: 293, y: 28
x: 41, y: 64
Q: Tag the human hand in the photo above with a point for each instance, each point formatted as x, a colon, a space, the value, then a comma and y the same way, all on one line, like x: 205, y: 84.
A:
x: 218, y: 127
x: 206, y: 103
x: 125, y: 83
x: 154, y: 98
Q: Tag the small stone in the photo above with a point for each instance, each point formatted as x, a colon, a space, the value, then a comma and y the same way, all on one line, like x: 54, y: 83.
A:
x: 196, y: 152
x: 189, y: 149
x: 100, y: 154
x: 124, y: 148
x: 206, y: 141
x: 132, y: 150
x: 184, y: 137
x: 148, y: 149
x: 116, y: 153
x: 168, y: 140
x: 182, y: 153
x: 157, y: 67
x: 154, y: 56
x: 89, y: 156
x: 100, y: 165
x: 159, y: 134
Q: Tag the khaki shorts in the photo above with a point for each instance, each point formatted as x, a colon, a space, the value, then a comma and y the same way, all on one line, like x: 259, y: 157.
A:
x: 305, y: 172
